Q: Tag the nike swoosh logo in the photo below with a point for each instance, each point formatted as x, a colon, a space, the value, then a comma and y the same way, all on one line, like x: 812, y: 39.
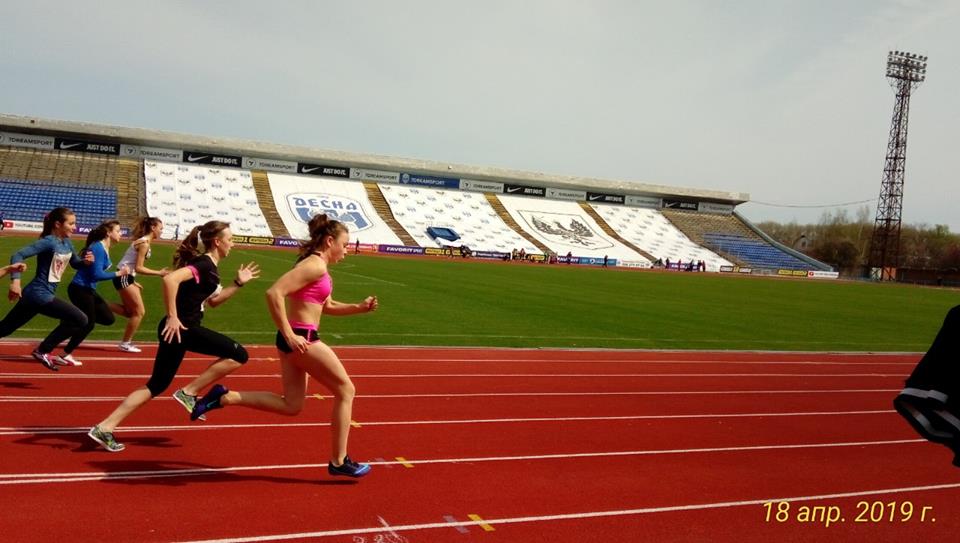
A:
x: 191, y: 158
x: 309, y: 170
x: 594, y: 198
x: 515, y: 189
x: 69, y: 145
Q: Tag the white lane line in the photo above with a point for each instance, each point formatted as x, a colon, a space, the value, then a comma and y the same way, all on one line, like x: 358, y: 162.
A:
x: 586, y: 515
x: 565, y: 339
x: 377, y: 279
x: 432, y: 359
x: 40, y: 430
x: 128, y: 359
x: 626, y: 361
x: 67, y: 477
x: 49, y: 375
x: 338, y: 271
x: 547, y: 350
x: 388, y: 527
x: 44, y: 399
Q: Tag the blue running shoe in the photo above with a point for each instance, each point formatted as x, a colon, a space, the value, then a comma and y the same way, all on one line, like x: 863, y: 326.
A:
x: 211, y: 400
x: 349, y: 468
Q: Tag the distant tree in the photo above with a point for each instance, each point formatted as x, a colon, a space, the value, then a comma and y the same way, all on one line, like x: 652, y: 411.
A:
x: 843, y: 254
x: 844, y: 243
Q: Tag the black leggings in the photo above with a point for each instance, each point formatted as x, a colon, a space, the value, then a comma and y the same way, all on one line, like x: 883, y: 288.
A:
x: 195, y: 339
x: 71, y: 320
x: 939, y: 369
x: 93, y: 306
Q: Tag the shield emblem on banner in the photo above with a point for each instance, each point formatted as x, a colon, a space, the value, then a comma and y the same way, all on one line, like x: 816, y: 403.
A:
x: 346, y: 210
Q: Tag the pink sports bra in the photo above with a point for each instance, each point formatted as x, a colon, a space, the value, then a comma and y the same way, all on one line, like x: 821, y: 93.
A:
x: 316, y: 292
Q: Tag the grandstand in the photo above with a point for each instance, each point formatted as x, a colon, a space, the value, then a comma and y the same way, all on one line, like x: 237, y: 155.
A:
x: 391, y: 205
x: 30, y: 200
x: 184, y: 195
x: 564, y: 227
x: 468, y: 214
x: 650, y: 230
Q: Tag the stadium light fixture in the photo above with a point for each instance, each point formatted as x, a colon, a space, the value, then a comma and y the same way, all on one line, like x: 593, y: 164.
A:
x: 904, y: 66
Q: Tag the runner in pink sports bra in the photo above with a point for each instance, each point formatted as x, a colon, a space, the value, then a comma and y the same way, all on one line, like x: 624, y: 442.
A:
x: 316, y: 292
x: 297, y: 301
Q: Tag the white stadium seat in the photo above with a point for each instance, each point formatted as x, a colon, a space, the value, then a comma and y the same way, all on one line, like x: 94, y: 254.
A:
x: 187, y: 195
x: 469, y: 214
x: 649, y: 230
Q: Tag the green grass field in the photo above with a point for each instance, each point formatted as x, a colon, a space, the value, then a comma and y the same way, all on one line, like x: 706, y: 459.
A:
x: 453, y: 302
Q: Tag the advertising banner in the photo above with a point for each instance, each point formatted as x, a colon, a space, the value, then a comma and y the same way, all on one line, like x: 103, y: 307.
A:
x: 323, y: 170
x: 212, y: 159
x: 87, y: 146
x: 710, y: 207
x: 813, y: 274
x: 400, y: 249
x: 564, y: 194
x: 151, y: 153
x: 481, y: 186
x: 644, y: 201
x: 377, y: 176
x: 14, y: 139
x: 429, y: 181
x: 600, y: 198
x: 524, y: 190
x: 680, y: 204
x: 269, y: 164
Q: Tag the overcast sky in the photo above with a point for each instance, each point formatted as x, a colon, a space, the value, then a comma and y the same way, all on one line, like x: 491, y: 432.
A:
x: 785, y: 100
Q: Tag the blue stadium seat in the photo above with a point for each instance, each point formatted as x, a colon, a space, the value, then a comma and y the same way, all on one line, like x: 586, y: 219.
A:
x: 29, y: 200
x: 756, y: 253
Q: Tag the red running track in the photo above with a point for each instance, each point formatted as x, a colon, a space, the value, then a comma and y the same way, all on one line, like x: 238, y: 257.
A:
x: 494, y: 446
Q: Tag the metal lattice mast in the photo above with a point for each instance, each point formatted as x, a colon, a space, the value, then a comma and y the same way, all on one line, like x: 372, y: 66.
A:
x: 905, y: 72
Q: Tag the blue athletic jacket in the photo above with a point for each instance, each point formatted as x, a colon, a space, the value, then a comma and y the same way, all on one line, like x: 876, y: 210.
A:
x: 52, y: 255
x: 88, y: 276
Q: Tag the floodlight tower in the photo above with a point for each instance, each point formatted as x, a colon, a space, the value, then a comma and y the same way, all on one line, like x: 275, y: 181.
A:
x: 905, y: 72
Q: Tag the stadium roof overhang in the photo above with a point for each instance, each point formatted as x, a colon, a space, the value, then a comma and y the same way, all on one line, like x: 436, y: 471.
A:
x: 231, y: 146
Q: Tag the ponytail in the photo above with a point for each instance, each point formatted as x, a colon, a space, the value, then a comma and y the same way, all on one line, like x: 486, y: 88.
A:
x: 100, y: 232
x: 144, y: 226
x: 57, y: 214
x: 189, y: 248
x: 320, y: 227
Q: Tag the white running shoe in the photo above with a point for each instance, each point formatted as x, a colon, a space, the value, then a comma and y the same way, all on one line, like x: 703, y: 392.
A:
x: 67, y: 360
x: 129, y: 347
